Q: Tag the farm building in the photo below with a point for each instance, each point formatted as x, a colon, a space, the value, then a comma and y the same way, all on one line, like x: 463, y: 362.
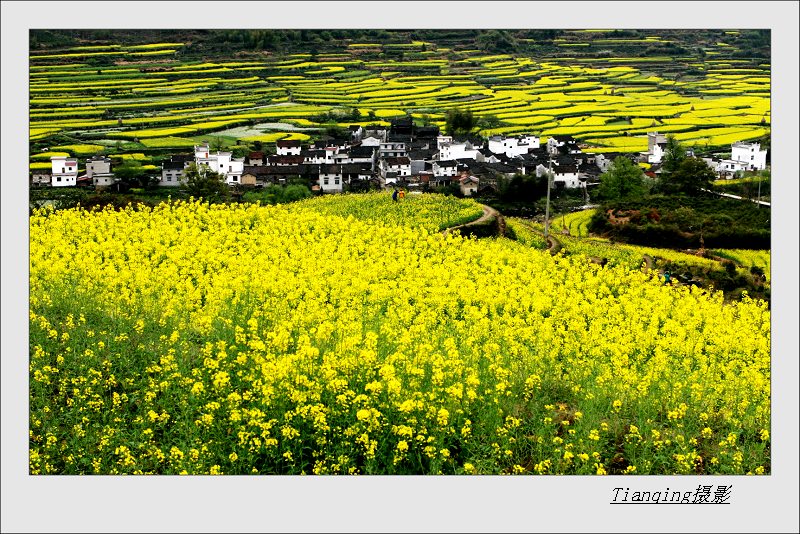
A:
x: 98, y: 165
x: 656, y: 145
x: 399, y: 165
x: 288, y: 147
x: 255, y: 158
x: 64, y: 171
x: 221, y: 162
x: 392, y: 149
x: 562, y: 144
x: 565, y: 175
x: 454, y: 150
x: 512, y: 146
x: 468, y: 185
x: 749, y: 154
x: 445, y: 168
x: 172, y: 170
x: 41, y: 178
x: 98, y: 170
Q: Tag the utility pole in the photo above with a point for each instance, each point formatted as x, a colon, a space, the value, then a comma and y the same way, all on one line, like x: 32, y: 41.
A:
x: 547, y: 206
x: 758, y: 204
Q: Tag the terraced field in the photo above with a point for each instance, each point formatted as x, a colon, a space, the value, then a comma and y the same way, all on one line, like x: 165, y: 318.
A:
x: 154, y: 96
x: 629, y: 256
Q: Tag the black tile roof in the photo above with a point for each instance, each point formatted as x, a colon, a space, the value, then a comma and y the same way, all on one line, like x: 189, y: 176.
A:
x: 288, y: 143
x: 397, y: 161
x: 427, y: 131
x: 362, y: 151
x: 172, y: 166
x: 422, y: 154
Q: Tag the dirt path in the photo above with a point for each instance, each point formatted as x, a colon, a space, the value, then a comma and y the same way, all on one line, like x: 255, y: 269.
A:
x: 489, y: 214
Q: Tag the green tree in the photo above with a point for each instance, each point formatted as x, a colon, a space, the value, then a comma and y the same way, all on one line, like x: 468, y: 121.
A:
x: 239, y: 151
x: 523, y: 188
x: 674, y: 154
x: 202, y: 182
x: 489, y: 122
x: 277, y: 194
x: 458, y: 122
x: 292, y: 193
x: 217, y: 144
x: 496, y: 41
x: 132, y: 174
x: 691, y: 175
x: 623, y: 180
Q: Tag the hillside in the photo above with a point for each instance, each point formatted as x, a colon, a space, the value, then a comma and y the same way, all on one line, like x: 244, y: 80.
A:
x: 154, y: 93
x: 313, y: 338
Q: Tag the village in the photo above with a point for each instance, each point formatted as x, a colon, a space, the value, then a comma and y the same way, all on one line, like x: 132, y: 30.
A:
x: 402, y: 155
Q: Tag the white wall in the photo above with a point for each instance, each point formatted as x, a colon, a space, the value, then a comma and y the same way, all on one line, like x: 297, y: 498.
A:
x: 103, y: 179
x: 63, y: 165
x: 234, y: 170
x: 468, y: 189
x: 64, y: 180
x: 655, y: 155
x: 513, y: 146
x: 731, y: 166
x: 201, y: 152
x: 457, y: 151
x: 288, y: 151
x: 570, y: 180
x: 443, y: 140
x: 171, y: 178
x: 750, y: 154
x: 444, y: 171
x: 401, y: 170
x: 370, y: 141
x: 334, y: 182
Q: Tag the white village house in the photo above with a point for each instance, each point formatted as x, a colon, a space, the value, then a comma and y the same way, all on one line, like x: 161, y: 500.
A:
x: 64, y: 171
x: 513, y: 146
x: 445, y: 168
x: 221, y: 163
x: 98, y: 170
x: 750, y: 154
x: 392, y: 149
x: 452, y: 150
x: 288, y: 147
x: 400, y: 165
x: 563, y: 175
x: 330, y: 178
x: 172, y: 173
x: 656, y: 145
x: 744, y: 157
x: 565, y: 144
x: 468, y: 185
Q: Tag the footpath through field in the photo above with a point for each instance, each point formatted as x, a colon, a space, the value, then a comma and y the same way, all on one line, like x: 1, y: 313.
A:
x: 489, y: 214
x: 728, y: 195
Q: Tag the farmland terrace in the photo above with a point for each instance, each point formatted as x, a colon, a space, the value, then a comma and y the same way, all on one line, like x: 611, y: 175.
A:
x: 152, y: 92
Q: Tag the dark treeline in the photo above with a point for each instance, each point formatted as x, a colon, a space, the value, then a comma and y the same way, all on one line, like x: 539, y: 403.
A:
x: 750, y: 43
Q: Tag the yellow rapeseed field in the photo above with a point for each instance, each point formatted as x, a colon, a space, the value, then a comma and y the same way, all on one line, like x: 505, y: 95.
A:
x: 241, y: 339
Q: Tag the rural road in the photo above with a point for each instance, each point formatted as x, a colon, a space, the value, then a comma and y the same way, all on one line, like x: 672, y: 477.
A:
x: 488, y: 214
x: 728, y: 195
